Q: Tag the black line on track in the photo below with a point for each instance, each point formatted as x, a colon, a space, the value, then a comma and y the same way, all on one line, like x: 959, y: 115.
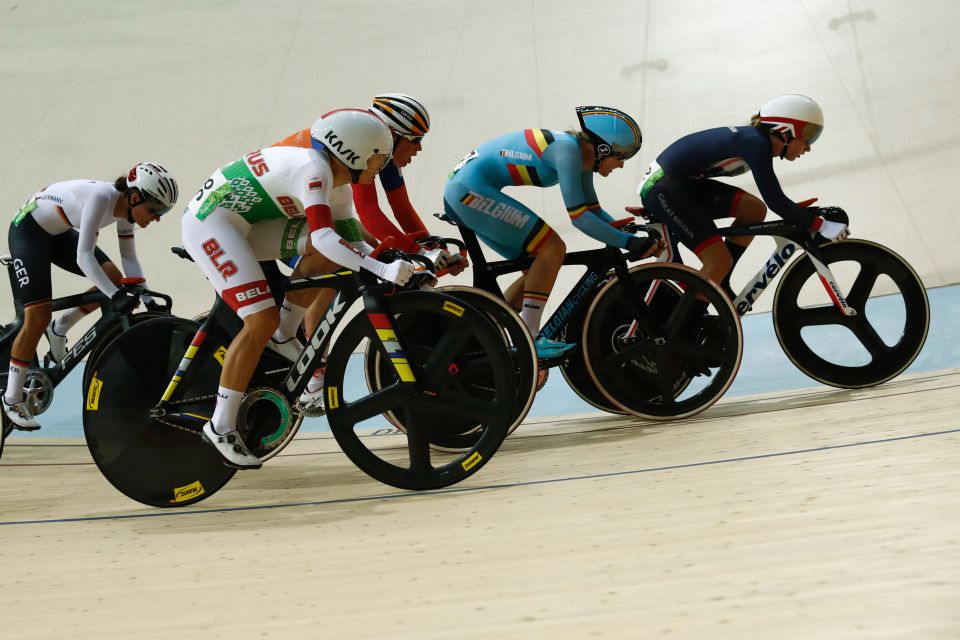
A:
x: 528, y: 483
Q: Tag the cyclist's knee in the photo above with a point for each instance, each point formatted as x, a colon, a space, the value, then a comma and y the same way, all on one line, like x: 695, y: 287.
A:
x: 554, y: 249
x: 262, y: 324
x: 37, y: 316
x: 750, y: 209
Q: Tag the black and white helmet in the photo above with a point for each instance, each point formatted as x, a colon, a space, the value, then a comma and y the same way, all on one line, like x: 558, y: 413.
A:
x: 403, y: 114
x: 156, y: 185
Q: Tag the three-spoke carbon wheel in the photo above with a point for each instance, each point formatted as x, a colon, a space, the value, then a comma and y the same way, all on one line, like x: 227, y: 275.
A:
x: 662, y: 361
x: 452, y: 371
x: 863, y: 350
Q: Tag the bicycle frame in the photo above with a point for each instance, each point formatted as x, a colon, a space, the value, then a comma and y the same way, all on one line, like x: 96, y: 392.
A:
x: 57, y: 372
x: 598, y: 262
x: 789, y: 242
x: 350, y: 287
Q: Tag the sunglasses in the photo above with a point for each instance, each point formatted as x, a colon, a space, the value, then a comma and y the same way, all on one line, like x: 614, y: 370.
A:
x: 413, y: 139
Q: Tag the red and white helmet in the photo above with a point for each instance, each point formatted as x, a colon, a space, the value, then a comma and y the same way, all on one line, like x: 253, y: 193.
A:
x: 794, y: 116
x: 156, y: 185
x: 352, y: 136
x: 402, y: 113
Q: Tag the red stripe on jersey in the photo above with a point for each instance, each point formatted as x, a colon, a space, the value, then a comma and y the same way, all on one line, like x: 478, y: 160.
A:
x: 515, y: 175
x: 247, y: 294
x: 319, y: 217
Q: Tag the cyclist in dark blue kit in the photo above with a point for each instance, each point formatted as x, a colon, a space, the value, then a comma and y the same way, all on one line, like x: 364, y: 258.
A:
x: 678, y: 188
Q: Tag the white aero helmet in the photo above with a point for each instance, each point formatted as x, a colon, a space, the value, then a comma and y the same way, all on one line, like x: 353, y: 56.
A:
x: 402, y: 113
x: 794, y: 116
x: 156, y: 185
x: 352, y: 136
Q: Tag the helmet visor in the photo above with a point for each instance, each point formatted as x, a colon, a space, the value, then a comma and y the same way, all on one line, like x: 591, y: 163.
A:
x: 811, y: 132
x: 154, y: 206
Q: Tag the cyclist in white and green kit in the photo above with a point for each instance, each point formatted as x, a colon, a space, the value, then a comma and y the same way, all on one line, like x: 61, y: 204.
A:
x: 254, y: 209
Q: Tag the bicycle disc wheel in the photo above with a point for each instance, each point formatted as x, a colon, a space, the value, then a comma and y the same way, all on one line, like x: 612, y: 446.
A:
x: 852, y: 352
x: 448, y: 347
x: 682, y: 366
x: 106, y: 336
x: 379, y: 371
x: 151, y: 460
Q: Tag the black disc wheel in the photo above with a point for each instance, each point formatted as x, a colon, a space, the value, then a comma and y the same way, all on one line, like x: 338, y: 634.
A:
x: 666, y: 360
x: 881, y: 339
x: 162, y: 461
x: 452, y: 369
x: 380, y: 372
x: 106, y: 335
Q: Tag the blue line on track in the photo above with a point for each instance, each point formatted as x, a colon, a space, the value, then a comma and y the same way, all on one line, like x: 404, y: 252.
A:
x: 395, y: 496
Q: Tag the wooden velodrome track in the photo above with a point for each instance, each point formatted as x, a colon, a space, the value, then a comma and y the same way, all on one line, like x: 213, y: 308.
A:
x: 817, y: 514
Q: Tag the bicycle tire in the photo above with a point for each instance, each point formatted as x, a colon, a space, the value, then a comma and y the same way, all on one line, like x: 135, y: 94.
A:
x: 656, y: 384
x: 147, y: 460
x: 109, y: 333
x: 886, y: 361
x: 515, y: 335
x: 459, y: 343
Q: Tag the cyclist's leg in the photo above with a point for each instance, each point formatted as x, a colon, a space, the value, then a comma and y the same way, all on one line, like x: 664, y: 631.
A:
x: 218, y: 245
x: 681, y: 206
x: 31, y: 248
x: 64, y: 255
x: 512, y: 229
x: 725, y: 201
x: 285, y: 239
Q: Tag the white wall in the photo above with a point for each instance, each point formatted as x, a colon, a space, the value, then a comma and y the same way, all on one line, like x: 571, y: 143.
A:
x: 90, y: 87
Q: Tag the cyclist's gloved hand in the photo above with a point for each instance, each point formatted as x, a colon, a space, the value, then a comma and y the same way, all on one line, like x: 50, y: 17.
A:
x: 153, y: 305
x: 439, y: 257
x: 829, y: 230
x: 123, y: 301
x: 398, y: 272
x: 644, y: 247
x: 457, y: 264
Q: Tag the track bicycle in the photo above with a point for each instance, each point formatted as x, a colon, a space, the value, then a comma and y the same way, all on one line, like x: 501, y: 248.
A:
x: 43, y: 377
x: 641, y: 352
x: 154, y: 388
x: 850, y: 314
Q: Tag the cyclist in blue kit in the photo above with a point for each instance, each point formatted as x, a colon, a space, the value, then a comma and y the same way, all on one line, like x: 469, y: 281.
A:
x: 678, y: 188
x: 543, y: 158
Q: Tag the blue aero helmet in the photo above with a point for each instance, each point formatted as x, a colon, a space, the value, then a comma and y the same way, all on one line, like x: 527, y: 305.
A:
x: 612, y: 132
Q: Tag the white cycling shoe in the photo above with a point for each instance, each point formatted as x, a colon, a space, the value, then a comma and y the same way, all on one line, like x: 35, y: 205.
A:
x: 231, y: 447
x: 289, y: 349
x: 311, y: 403
x: 20, y: 415
x: 58, y: 344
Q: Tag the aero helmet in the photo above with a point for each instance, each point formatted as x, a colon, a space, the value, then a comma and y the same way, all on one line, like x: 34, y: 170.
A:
x: 157, y: 187
x: 352, y: 136
x: 402, y: 113
x: 793, y: 116
x: 612, y: 132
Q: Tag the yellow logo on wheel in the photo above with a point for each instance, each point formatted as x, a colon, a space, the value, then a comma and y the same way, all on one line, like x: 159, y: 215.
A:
x: 472, y: 461
x: 93, y: 393
x: 189, y: 492
x: 455, y: 309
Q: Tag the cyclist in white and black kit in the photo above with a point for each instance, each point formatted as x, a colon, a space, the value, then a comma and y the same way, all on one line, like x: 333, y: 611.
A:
x: 679, y: 190
x: 60, y: 225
